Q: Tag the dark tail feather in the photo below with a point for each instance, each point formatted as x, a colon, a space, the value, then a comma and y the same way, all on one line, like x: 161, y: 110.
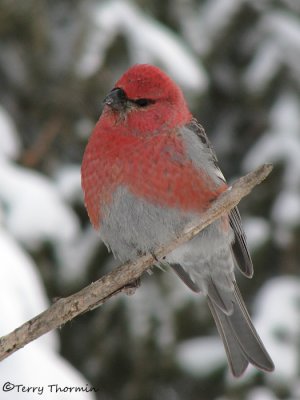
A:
x: 236, y: 359
x: 241, y: 341
x: 185, y: 277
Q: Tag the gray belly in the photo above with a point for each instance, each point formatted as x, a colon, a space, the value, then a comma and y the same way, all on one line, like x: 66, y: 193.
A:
x: 132, y: 227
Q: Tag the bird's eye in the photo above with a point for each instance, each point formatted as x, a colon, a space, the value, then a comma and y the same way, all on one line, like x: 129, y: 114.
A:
x: 143, y: 102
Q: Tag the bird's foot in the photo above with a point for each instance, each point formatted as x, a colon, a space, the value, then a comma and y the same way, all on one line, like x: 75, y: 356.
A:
x: 131, y: 287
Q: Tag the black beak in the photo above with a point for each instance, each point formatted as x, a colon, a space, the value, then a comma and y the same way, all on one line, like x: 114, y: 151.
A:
x: 116, y: 99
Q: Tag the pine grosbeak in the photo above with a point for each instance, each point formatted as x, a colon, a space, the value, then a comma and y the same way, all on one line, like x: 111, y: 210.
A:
x: 148, y: 171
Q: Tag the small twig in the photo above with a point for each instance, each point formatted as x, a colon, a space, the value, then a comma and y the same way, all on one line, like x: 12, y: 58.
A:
x: 118, y: 280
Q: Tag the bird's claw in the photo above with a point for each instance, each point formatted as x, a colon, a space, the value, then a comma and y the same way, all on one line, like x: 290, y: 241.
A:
x: 130, y: 288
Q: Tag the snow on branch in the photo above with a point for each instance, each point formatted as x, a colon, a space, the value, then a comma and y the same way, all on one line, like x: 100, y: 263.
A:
x: 121, y: 279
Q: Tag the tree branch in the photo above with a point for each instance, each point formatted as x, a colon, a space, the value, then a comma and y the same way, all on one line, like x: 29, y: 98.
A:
x: 120, y: 278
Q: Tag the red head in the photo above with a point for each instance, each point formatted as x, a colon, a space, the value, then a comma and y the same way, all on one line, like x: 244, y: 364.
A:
x: 147, y: 99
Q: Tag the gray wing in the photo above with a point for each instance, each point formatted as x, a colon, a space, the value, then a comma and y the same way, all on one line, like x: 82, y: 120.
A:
x: 239, y: 246
x: 241, y: 341
x: 200, y: 132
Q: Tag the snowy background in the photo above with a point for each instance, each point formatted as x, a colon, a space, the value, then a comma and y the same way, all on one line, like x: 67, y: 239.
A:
x: 238, y: 62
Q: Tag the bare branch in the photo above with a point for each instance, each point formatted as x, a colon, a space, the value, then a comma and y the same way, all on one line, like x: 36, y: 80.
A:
x: 120, y: 278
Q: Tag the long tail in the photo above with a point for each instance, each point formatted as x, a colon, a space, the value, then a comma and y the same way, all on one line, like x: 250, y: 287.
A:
x: 241, y: 341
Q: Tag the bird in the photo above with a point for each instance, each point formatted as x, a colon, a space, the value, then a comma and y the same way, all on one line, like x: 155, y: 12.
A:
x: 148, y: 172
